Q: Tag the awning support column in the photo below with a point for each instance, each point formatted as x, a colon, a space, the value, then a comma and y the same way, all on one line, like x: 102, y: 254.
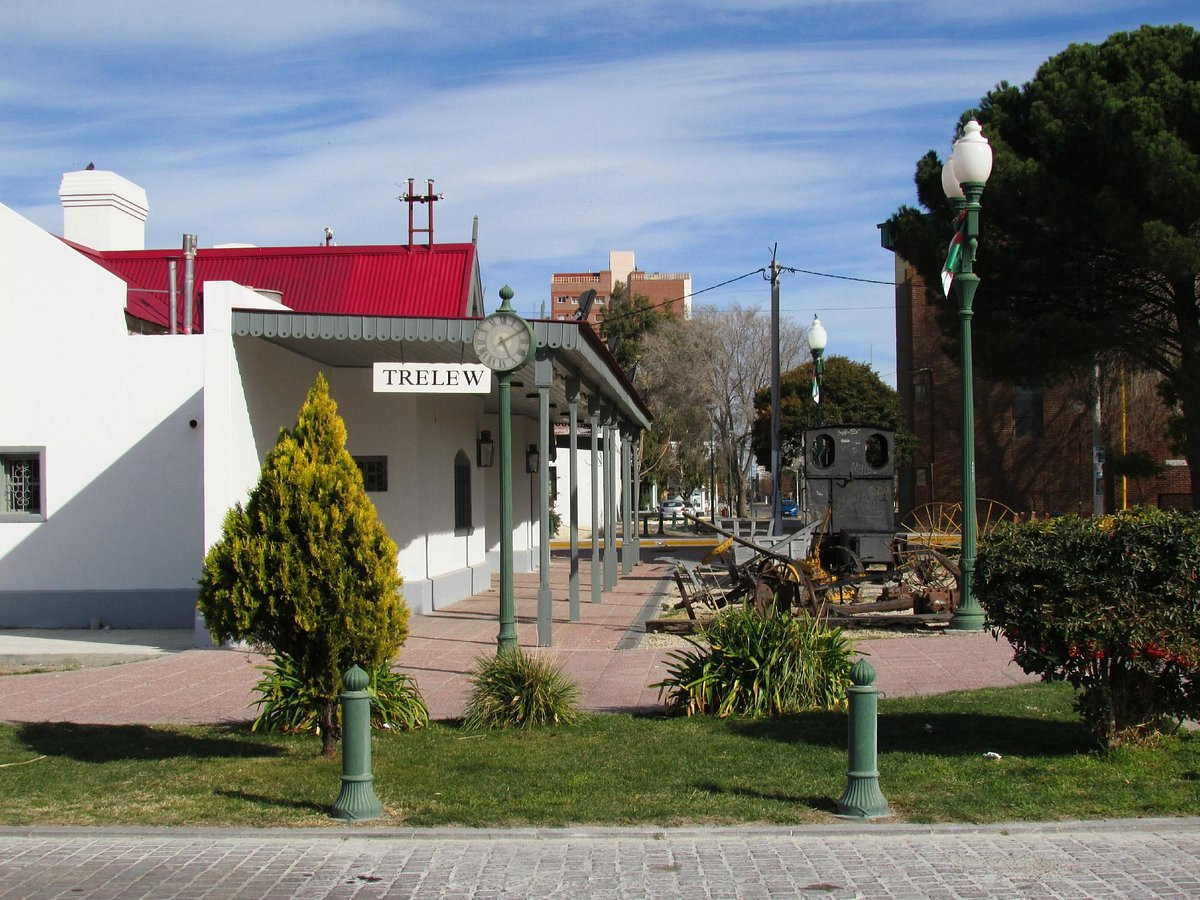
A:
x: 610, y: 502
x: 573, y: 487
x: 544, y: 376
x: 627, y: 547
x: 594, y: 424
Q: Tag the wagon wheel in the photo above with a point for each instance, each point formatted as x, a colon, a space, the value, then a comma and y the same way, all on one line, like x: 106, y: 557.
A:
x: 930, y: 540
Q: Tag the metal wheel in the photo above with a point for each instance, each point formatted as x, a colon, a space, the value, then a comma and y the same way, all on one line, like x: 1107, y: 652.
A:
x: 930, y: 540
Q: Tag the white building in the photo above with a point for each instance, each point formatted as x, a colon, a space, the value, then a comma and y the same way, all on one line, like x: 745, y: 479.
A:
x: 126, y: 432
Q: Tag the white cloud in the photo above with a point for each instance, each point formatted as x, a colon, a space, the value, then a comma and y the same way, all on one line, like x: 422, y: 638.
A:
x: 698, y: 141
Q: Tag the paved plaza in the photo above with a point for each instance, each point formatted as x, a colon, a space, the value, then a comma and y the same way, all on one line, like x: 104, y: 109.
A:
x: 161, y: 680
x: 1153, y: 858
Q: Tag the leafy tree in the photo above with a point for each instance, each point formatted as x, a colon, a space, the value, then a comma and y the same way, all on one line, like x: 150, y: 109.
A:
x: 701, y: 372
x: 625, y: 323
x: 306, y: 568
x: 851, y: 394
x: 1091, y: 220
x: 675, y: 450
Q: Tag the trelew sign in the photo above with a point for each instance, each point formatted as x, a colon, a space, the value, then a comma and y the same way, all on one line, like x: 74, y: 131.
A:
x: 432, y: 378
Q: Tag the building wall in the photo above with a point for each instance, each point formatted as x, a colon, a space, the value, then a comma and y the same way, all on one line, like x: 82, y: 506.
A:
x: 671, y: 291
x: 112, y: 412
x: 420, y: 435
x: 1050, y: 473
x: 562, y: 473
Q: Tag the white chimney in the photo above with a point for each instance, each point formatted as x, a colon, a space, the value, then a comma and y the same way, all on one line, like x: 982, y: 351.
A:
x: 103, y: 211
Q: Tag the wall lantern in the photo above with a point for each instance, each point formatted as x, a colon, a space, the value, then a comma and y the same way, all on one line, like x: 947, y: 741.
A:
x: 531, y: 459
x: 485, y: 450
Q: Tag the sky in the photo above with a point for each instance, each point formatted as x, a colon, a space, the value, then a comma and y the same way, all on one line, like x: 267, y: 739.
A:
x: 700, y: 135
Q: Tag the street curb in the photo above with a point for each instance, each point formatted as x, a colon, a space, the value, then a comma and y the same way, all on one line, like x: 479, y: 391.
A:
x: 640, y: 833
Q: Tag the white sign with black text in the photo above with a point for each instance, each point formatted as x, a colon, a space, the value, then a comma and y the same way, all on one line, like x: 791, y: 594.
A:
x: 432, y: 378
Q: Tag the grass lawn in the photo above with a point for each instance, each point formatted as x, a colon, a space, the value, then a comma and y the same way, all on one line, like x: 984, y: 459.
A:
x: 611, y: 770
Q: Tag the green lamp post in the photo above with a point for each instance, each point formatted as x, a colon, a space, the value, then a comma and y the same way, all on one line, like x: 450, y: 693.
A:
x: 504, y: 342
x: 963, y: 178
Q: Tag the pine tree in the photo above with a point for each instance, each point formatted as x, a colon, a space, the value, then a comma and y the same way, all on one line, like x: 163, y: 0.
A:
x: 306, y: 568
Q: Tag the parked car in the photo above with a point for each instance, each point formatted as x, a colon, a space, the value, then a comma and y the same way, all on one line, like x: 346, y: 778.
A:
x: 789, y: 508
x: 672, y: 506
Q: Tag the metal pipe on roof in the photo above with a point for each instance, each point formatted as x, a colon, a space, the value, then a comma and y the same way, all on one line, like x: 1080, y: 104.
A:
x: 189, y: 281
x: 173, y: 307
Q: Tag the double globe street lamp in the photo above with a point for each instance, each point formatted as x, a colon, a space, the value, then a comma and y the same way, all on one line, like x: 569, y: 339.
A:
x: 963, y: 177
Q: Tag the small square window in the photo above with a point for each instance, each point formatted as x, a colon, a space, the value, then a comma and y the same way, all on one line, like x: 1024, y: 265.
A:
x: 374, y: 472
x: 20, y: 484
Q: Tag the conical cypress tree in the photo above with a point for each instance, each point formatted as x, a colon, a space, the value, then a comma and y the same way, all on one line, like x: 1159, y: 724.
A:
x: 306, y: 567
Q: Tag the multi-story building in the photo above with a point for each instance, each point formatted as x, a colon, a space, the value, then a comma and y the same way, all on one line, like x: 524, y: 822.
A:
x: 666, y: 290
x: 1033, y: 446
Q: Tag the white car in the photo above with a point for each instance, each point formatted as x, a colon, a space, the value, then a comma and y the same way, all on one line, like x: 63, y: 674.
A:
x: 672, y: 507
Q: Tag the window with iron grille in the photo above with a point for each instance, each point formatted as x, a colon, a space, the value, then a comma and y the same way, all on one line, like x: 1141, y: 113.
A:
x: 21, y: 480
x: 374, y: 472
x: 462, y: 493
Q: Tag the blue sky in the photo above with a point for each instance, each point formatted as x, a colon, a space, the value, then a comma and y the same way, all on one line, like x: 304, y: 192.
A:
x: 697, y: 134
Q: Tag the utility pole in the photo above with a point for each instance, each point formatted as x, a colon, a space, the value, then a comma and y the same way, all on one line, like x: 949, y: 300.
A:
x: 776, y: 507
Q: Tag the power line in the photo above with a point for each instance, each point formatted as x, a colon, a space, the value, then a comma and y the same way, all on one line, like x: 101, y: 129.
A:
x: 839, y: 277
x: 615, y: 314
x: 618, y: 313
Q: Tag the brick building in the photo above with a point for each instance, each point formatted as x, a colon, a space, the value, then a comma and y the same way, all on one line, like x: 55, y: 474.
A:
x: 669, y: 290
x: 1033, y: 447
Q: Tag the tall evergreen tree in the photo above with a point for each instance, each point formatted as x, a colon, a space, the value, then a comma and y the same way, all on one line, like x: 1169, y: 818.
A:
x: 306, y: 568
x: 1090, y: 238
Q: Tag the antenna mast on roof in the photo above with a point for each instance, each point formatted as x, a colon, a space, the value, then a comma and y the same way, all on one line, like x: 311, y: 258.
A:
x: 412, y: 199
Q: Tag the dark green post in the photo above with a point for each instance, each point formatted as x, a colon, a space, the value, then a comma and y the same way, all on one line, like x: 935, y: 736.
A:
x: 963, y: 178
x: 862, y: 798
x: 507, y: 638
x: 357, y: 800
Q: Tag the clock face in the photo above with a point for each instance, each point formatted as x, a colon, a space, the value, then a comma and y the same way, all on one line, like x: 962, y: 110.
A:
x: 503, y: 341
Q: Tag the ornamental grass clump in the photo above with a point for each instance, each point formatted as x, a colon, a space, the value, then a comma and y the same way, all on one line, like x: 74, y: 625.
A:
x: 1109, y: 604
x: 515, y: 690
x: 289, y: 704
x: 758, y: 665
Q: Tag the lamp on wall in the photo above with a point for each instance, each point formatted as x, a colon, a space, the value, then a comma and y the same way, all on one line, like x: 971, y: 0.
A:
x: 531, y: 459
x: 485, y: 450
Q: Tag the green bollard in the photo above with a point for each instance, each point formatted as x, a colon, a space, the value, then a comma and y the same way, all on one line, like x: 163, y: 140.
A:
x: 357, y: 799
x: 862, y: 798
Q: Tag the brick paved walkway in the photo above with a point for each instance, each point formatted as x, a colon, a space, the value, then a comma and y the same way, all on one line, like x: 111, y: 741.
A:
x: 197, y: 686
x: 1155, y: 858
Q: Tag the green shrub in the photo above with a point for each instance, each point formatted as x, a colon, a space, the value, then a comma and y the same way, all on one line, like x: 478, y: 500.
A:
x: 1111, y: 605
x: 289, y: 704
x: 515, y: 690
x: 748, y: 663
x: 306, y: 567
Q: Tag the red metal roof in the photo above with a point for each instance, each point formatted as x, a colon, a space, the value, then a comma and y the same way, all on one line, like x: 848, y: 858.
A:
x: 383, y: 280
